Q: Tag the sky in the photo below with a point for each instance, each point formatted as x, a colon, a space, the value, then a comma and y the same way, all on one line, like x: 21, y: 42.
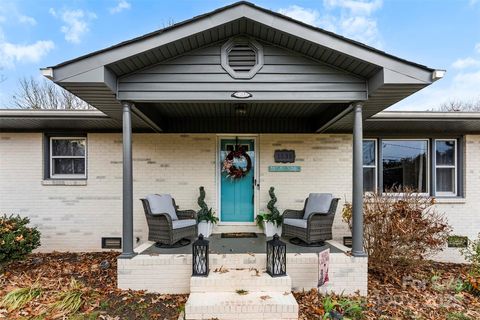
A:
x: 441, y: 34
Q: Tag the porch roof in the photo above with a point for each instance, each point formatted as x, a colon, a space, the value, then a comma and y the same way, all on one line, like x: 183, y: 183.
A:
x: 95, y: 77
x: 404, y: 123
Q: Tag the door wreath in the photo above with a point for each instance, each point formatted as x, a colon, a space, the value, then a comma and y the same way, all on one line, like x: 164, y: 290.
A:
x: 233, y: 171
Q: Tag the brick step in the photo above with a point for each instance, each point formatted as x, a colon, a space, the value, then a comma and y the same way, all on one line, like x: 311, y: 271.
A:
x: 231, y: 280
x: 251, y: 306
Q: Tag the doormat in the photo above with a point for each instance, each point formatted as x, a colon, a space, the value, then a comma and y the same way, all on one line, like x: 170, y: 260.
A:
x: 239, y: 235
x: 301, y: 243
x: 180, y: 243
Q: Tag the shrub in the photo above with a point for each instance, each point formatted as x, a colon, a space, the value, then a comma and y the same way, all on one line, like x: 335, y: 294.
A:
x: 400, y: 229
x: 472, y: 255
x: 16, y: 239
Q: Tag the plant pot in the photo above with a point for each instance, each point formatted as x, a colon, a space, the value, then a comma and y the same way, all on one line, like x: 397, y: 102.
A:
x: 205, y: 228
x: 270, y: 229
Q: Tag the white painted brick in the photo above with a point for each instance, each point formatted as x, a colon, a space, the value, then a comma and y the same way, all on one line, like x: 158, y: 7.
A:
x: 74, y: 218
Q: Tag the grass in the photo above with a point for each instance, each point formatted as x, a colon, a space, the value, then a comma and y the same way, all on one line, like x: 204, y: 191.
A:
x: 71, y: 300
x: 18, y: 298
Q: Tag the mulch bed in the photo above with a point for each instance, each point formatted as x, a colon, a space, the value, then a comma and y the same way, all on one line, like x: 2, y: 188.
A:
x: 430, y: 292
x: 54, y: 271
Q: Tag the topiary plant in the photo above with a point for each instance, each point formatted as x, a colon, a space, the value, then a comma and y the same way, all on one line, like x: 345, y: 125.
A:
x: 205, y: 213
x: 16, y: 239
x: 271, y: 204
x: 274, y: 215
x: 201, y: 202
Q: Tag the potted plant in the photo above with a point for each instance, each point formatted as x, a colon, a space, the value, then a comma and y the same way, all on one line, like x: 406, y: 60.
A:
x: 205, y: 216
x: 270, y: 222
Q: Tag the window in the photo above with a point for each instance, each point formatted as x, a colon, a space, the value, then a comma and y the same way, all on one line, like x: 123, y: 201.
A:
x: 369, y: 165
x: 446, y: 167
x: 431, y: 166
x: 405, y: 165
x: 68, y: 157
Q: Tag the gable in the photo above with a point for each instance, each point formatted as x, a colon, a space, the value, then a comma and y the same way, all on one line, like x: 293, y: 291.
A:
x: 284, y: 75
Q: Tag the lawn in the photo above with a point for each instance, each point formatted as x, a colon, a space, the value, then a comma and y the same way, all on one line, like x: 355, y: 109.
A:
x: 83, y: 286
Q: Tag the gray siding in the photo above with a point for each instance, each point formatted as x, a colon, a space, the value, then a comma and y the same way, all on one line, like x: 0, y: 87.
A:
x: 285, y: 75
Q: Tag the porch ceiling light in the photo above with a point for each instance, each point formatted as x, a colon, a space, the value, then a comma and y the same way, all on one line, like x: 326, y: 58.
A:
x: 241, y: 109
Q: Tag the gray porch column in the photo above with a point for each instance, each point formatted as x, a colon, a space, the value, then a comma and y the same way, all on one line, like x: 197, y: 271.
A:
x: 127, y: 233
x: 357, y: 188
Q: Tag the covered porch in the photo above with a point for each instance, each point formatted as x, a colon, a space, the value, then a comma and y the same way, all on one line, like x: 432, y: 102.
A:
x: 241, y: 72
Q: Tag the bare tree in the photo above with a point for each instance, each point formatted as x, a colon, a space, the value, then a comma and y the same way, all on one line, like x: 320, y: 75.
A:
x: 44, y: 94
x: 460, y: 106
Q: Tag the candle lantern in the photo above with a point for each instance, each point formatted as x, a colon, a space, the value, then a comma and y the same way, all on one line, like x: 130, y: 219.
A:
x: 276, y: 257
x: 200, y: 257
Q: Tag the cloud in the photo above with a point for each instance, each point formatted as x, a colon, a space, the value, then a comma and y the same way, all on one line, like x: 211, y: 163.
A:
x: 357, y: 7
x: 10, y: 53
x: 477, y: 47
x: 76, y: 23
x: 27, y: 20
x: 121, y: 5
x: 466, y: 63
x: 350, y: 18
x: 305, y: 15
x: 463, y: 87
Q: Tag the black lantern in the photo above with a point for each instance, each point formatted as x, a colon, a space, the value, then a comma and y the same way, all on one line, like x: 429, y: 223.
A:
x: 200, y: 257
x: 276, y: 257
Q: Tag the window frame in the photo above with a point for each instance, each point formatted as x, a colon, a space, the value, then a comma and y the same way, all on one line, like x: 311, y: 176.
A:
x: 431, y: 173
x: 51, y: 157
x: 455, y: 167
x: 375, y: 166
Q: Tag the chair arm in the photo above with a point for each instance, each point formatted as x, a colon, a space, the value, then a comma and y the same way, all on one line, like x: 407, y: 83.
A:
x: 293, y: 214
x: 186, y: 214
x: 320, y: 216
x: 160, y: 217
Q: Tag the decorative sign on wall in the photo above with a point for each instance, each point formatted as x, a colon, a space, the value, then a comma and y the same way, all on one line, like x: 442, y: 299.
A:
x: 284, y: 168
x: 284, y: 156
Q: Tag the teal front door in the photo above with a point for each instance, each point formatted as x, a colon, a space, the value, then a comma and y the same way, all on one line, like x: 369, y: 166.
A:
x: 237, y: 193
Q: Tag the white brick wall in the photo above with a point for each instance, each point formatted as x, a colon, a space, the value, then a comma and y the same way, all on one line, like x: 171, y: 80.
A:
x: 75, y: 218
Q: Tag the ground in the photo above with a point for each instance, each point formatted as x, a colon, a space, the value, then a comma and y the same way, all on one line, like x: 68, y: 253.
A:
x: 433, y: 291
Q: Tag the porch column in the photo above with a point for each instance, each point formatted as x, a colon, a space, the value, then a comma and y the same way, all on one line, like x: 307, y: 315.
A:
x: 357, y: 188
x: 127, y: 233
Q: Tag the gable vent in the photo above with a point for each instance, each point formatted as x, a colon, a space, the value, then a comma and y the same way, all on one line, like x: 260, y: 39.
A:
x: 242, y: 58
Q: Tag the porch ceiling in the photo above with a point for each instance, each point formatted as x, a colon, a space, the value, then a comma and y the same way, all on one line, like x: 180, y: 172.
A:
x: 241, y: 117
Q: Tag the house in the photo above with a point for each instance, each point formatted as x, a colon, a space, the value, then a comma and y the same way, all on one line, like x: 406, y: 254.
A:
x: 172, y: 103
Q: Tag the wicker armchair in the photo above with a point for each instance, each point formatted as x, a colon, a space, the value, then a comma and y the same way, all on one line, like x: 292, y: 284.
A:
x: 318, y: 225
x: 161, y: 227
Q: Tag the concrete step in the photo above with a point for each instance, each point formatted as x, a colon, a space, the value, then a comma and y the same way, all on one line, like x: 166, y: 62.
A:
x: 231, y: 280
x: 251, y: 306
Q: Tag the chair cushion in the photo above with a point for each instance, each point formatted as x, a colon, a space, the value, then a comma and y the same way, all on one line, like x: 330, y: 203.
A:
x: 177, y: 224
x: 317, y: 202
x: 162, y: 203
x: 296, y: 222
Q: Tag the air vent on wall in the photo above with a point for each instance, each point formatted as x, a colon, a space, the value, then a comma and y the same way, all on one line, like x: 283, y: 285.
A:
x: 111, y: 243
x: 242, y: 57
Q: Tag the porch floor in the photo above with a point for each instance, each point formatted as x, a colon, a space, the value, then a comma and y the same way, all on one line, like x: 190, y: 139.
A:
x: 219, y: 245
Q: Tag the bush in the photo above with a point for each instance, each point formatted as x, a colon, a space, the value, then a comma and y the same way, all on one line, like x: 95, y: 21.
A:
x: 472, y: 255
x: 400, y: 229
x: 16, y: 239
